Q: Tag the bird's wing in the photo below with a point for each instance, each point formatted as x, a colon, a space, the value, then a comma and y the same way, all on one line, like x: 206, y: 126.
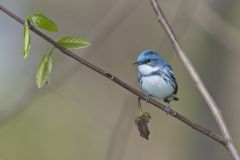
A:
x: 139, y: 77
x: 168, y: 72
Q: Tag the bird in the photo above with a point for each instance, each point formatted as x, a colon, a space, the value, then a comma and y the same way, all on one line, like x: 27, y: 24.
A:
x: 156, y: 77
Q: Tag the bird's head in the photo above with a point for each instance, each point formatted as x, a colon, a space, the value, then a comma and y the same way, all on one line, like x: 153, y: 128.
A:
x: 148, y: 61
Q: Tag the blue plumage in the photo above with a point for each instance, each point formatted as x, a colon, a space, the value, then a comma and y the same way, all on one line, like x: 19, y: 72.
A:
x: 156, y: 76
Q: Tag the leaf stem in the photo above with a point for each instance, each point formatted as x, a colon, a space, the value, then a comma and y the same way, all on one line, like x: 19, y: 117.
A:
x: 140, y: 106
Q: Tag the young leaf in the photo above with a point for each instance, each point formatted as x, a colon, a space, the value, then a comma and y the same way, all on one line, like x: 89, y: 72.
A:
x: 73, y: 42
x: 142, y: 125
x: 26, y: 40
x: 44, y: 70
x: 41, y: 21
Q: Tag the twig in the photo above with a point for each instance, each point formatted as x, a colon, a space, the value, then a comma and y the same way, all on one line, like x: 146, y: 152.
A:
x: 196, y: 78
x: 111, y: 77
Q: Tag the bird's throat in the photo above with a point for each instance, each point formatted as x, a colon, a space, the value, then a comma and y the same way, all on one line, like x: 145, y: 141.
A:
x: 147, y: 69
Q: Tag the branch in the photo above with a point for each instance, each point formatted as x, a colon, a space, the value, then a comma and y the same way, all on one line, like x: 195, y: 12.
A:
x: 116, y: 80
x: 197, y: 80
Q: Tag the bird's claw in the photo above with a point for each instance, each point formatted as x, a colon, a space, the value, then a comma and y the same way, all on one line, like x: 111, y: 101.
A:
x: 147, y: 98
x: 167, y: 109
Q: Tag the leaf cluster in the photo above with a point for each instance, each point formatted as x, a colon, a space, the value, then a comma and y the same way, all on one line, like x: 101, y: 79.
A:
x: 46, y: 64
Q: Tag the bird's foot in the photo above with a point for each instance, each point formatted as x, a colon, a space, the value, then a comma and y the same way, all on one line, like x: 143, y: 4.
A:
x: 147, y: 98
x: 167, y: 109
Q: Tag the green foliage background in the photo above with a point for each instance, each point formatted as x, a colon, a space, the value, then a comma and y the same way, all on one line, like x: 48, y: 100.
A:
x: 80, y: 115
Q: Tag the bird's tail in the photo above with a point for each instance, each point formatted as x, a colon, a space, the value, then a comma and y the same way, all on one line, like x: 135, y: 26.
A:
x: 175, y: 98
x: 172, y: 98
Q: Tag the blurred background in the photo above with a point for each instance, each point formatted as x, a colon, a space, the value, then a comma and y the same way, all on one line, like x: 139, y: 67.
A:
x: 82, y: 115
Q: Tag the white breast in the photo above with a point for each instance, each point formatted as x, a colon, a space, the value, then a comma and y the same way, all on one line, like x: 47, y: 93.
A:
x: 156, y: 86
x: 146, y: 69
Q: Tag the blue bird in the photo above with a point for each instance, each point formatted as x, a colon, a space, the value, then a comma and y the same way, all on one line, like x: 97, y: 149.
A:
x: 156, y: 77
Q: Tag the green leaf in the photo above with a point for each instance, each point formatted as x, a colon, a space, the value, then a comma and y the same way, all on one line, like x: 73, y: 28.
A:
x: 44, y: 70
x: 73, y: 42
x: 146, y: 116
x: 26, y: 40
x: 41, y: 21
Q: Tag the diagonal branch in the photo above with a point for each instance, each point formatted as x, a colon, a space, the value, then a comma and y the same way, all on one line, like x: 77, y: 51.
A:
x: 196, y: 78
x: 116, y: 80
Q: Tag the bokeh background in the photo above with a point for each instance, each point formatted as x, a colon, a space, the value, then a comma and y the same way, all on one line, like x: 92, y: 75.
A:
x: 82, y: 115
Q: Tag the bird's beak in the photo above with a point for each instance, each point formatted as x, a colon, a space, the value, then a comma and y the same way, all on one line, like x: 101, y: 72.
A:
x: 136, y: 63
x: 140, y: 62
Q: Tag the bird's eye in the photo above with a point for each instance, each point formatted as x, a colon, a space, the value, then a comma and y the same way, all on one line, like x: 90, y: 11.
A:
x: 147, y: 60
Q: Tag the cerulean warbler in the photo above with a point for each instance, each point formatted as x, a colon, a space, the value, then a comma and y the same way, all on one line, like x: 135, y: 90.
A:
x: 156, y: 77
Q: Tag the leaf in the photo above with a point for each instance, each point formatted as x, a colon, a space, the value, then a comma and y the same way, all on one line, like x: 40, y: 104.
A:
x: 41, y: 21
x: 44, y: 70
x: 146, y: 116
x: 142, y: 125
x: 73, y: 42
x: 26, y: 40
